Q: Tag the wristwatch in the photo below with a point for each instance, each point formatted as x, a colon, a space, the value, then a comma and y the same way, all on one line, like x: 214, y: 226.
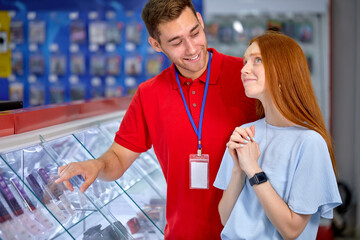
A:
x: 258, y: 178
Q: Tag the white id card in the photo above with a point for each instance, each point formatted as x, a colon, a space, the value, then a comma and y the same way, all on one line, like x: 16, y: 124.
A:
x: 199, y: 171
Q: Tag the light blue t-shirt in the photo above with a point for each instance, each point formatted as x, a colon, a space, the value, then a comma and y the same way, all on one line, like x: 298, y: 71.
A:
x: 297, y: 162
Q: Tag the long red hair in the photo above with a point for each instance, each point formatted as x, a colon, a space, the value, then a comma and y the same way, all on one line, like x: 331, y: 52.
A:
x: 289, y: 83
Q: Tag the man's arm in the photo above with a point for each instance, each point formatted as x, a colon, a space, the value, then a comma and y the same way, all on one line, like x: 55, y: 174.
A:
x: 109, y: 166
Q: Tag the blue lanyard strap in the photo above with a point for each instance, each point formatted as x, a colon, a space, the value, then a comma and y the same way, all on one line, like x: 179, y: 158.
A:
x: 198, y: 132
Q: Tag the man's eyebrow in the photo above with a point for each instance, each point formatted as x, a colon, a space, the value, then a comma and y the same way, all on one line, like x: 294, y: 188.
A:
x: 194, y: 28
x: 177, y: 37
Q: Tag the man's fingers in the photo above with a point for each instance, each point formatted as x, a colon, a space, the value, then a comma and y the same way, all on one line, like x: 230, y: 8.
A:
x: 60, y: 169
x: 68, y: 171
x: 86, y: 184
x: 68, y: 185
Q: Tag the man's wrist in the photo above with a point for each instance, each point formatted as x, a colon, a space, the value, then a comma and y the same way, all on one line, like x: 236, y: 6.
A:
x: 100, y: 164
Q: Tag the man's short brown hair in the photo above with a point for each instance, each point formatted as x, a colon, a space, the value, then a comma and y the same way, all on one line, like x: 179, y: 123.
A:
x: 161, y: 11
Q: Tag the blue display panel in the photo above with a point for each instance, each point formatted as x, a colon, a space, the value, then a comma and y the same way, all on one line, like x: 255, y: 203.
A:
x: 77, y: 50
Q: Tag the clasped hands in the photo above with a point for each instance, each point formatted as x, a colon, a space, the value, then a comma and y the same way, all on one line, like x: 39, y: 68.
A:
x: 244, y: 150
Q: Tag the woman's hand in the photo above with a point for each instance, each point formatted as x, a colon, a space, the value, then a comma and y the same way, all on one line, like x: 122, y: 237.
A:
x: 244, y: 150
x: 248, y: 155
x: 238, y: 139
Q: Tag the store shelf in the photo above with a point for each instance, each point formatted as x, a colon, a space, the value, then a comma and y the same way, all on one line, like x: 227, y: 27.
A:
x: 30, y: 119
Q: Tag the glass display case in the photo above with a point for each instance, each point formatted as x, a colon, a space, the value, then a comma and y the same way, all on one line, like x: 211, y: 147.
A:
x: 33, y: 206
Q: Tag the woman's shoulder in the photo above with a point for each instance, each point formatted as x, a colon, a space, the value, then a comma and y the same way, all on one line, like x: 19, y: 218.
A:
x: 310, y: 138
x: 258, y: 123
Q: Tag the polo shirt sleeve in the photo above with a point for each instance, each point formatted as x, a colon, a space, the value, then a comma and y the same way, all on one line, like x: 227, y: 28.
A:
x: 133, y: 133
x: 314, y: 188
x: 224, y: 174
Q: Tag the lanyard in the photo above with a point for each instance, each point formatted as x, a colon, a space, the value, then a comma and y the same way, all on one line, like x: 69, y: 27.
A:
x: 198, y: 132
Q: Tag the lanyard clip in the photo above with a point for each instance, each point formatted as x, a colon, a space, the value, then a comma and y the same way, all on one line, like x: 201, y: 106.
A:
x: 199, y: 149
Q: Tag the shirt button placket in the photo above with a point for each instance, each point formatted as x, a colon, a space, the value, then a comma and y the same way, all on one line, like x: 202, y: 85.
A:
x: 192, y: 97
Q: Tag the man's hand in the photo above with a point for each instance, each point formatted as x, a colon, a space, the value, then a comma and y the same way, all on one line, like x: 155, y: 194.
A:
x: 89, y: 170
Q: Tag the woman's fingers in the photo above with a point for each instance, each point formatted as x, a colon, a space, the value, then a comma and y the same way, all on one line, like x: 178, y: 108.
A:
x: 233, y: 145
x: 247, y: 134
x: 238, y: 139
x: 250, y: 132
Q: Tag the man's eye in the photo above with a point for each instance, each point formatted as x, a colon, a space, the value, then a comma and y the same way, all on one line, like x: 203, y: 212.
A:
x: 195, y: 34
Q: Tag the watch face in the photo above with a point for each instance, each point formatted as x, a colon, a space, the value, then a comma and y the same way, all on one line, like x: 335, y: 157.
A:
x: 261, y: 177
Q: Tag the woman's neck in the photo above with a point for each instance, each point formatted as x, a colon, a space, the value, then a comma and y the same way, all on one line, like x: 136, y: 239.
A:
x: 274, y: 117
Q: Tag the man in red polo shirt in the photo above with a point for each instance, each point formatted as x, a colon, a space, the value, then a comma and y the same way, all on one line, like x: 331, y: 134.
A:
x: 187, y: 113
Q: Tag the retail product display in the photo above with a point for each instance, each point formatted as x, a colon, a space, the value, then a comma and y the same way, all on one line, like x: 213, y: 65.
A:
x: 17, y: 63
x: 63, y: 51
x: 231, y: 34
x: 77, y: 64
x: 132, y: 207
x: 37, y: 64
x: 37, y: 32
x: 57, y: 64
x: 17, y: 32
x: 154, y: 64
x: 77, y: 32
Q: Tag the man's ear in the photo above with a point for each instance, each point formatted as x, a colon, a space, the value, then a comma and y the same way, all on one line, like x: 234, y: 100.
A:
x: 155, y: 44
x: 198, y: 15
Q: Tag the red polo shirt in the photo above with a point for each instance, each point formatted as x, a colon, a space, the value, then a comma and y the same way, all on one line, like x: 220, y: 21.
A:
x: 157, y: 116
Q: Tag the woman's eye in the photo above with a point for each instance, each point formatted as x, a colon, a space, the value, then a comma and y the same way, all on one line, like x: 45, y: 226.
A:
x: 258, y: 60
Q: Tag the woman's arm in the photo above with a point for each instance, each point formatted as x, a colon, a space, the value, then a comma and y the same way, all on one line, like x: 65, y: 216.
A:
x: 237, y: 181
x: 289, y: 224
x: 231, y: 194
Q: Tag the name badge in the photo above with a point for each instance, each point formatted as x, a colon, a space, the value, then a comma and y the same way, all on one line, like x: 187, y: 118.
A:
x: 199, y: 171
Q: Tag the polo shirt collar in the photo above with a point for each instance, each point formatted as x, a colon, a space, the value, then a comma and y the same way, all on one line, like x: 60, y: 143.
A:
x: 216, y: 64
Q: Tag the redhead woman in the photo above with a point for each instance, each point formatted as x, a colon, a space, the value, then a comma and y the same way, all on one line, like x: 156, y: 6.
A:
x: 278, y: 172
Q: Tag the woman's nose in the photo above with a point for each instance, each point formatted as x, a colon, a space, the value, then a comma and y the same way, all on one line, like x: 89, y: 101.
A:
x: 245, y: 69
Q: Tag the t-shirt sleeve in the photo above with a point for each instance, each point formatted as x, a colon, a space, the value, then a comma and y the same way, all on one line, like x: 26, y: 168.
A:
x: 133, y: 133
x: 224, y: 174
x: 314, y: 188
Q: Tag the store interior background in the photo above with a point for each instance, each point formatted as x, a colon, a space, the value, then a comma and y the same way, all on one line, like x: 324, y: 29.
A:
x: 339, y: 80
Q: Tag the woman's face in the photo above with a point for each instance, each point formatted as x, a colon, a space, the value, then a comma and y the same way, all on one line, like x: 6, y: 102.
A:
x: 253, y: 73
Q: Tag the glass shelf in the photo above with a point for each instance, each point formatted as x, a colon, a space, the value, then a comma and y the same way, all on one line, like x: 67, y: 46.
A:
x: 132, y: 207
x: 110, y: 128
x: 136, y: 181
